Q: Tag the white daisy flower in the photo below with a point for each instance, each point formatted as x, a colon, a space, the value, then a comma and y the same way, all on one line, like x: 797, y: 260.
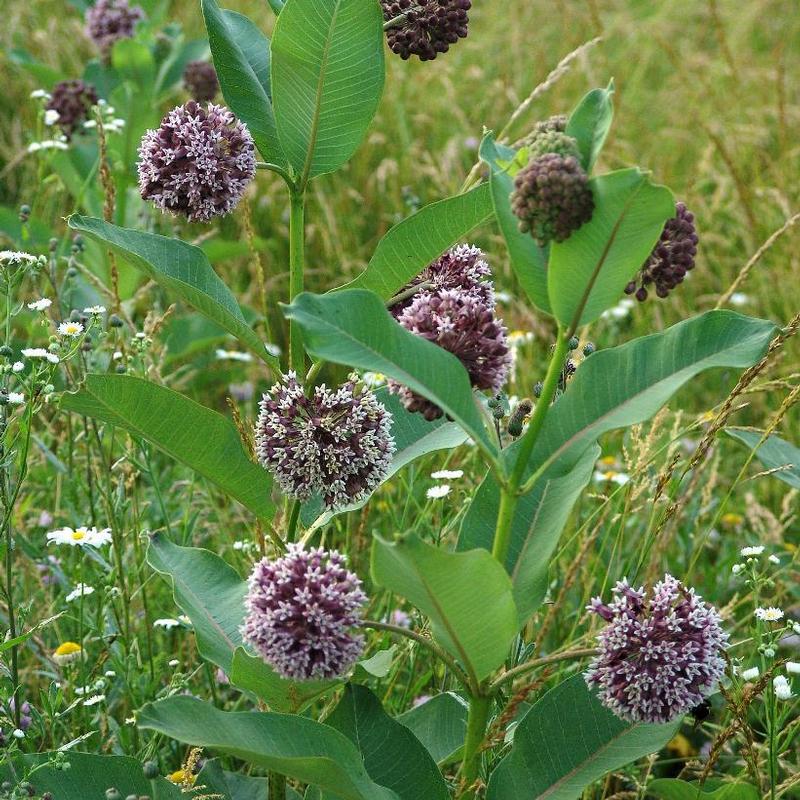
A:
x: 774, y: 559
x: 47, y: 144
x: 174, y: 663
x: 18, y: 734
x: 167, y: 623
x: 793, y: 667
x: 752, y: 551
x: 94, y: 310
x: 438, y: 492
x: 81, y: 535
x: 737, y: 568
x: 40, y: 305
x: 51, y: 116
x: 273, y: 349
x: 16, y: 258
x: 447, y: 474
x: 94, y: 699
x: 749, y: 674
x: 81, y: 590
x: 611, y: 476
x: 770, y: 614
x: 17, y: 366
x: 40, y: 94
x: 40, y: 352
x: 782, y: 688
x: 16, y: 398
x: 71, y: 329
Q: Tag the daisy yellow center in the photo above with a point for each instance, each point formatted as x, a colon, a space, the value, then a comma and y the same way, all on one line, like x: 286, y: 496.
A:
x: 608, y: 460
x: 67, y: 649
x: 79, y: 534
x: 71, y: 327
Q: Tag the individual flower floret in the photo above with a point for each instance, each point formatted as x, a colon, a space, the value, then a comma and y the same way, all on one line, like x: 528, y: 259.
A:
x: 660, y: 654
x: 197, y: 162
x: 425, y: 28
x: 67, y: 652
x: 337, y: 442
x: 40, y: 305
x: 438, y: 492
x: 108, y: 21
x: 70, y: 329
x: 80, y: 536
x: 756, y: 550
x: 70, y: 104
x: 465, y: 326
x: 672, y: 257
x: 782, y: 688
x: 200, y: 80
x: 81, y: 590
x: 771, y: 614
x: 300, y: 612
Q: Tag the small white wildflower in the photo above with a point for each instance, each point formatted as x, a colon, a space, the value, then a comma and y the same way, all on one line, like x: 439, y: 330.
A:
x: 611, y: 476
x: 17, y: 366
x: 52, y: 358
x: 737, y: 568
x: 94, y: 310
x: 502, y: 297
x: 90, y: 124
x: 770, y: 614
x: 140, y: 335
x: 40, y: 94
x: 174, y: 663
x: 94, y: 699
x: 774, y: 559
x: 40, y: 305
x: 47, y: 144
x: 35, y: 352
x: 18, y: 734
x: 273, y: 349
x: 17, y: 258
x: 447, y: 474
x: 232, y: 355
x: 167, y: 623
x: 184, y: 619
x: 518, y: 338
x: 81, y: 535
x: 71, y: 329
x: 796, y: 627
x: 81, y: 590
x: 750, y: 674
x: 116, y: 355
x: 752, y: 551
x: 739, y: 299
x: 782, y: 688
x: 437, y: 492
x: 51, y: 116
x: 16, y: 398
x: 373, y: 379
x: 109, y: 673
x: 793, y: 667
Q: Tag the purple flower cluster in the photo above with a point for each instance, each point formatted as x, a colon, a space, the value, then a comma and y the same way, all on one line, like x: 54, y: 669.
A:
x: 660, y: 656
x: 425, y: 27
x: 108, y: 21
x: 300, y: 612
x: 200, y: 80
x: 672, y: 257
x: 461, y: 267
x: 72, y: 100
x: 464, y: 324
x: 336, y: 442
x: 197, y: 162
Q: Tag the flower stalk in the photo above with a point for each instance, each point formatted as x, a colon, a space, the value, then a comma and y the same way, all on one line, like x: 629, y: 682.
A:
x: 297, y: 356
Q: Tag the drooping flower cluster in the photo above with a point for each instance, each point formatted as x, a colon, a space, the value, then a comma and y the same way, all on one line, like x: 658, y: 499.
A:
x: 462, y: 267
x: 425, y: 28
x: 72, y: 101
x: 464, y: 324
x: 660, y: 655
x: 553, y: 141
x: 300, y: 612
x: 671, y: 259
x: 200, y: 80
x: 552, y: 197
x: 108, y: 21
x: 336, y: 443
x: 554, y: 124
x: 197, y: 162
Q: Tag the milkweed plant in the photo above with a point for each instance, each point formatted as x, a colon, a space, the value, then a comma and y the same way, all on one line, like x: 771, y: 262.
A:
x: 409, y: 357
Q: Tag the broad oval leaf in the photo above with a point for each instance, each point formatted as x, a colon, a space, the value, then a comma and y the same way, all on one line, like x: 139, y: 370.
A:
x: 392, y: 755
x: 777, y: 455
x: 353, y: 327
x: 208, y: 590
x: 241, y: 59
x: 589, y: 270
x: 181, y: 428
x: 440, y: 724
x: 590, y: 122
x: 421, y: 238
x: 476, y: 627
x: 538, y: 521
x: 674, y: 789
x: 327, y: 79
x: 181, y: 268
x: 528, y: 260
x: 285, y: 743
x: 566, y: 741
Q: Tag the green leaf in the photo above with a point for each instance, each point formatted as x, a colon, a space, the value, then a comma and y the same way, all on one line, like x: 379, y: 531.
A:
x: 134, y: 62
x: 774, y: 453
x: 440, y: 724
x: 180, y: 268
x: 181, y: 428
x: 208, y: 590
x: 379, y: 665
x: 413, y: 436
x: 241, y: 59
x: 252, y: 674
x: 539, y: 519
x: 288, y: 744
x: 590, y: 122
x: 568, y: 740
x: 392, y: 755
x: 353, y: 327
x: 674, y: 789
x: 231, y: 785
x: 421, y: 238
x: 88, y: 777
x: 476, y: 627
x: 589, y: 271
x: 327, y: 79
x: 528, y: 260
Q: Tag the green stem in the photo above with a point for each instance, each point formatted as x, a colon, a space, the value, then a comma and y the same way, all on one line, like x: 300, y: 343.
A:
x: 477, y: 719
x: 505, y: 517
x: 294, y: 517
x: 296, y: 257
x: 277, y: 786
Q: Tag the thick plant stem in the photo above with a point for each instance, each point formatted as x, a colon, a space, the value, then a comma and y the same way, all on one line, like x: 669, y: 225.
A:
x: 505, y: 516
x: 296, y: 258
x: 477, y: 719
x: 276, y: 786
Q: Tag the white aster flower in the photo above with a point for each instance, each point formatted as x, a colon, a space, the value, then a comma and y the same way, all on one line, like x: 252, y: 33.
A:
x: 94, y: 310
x: 40, y: 352
x: 273, y: 349
x: 94, y: 699
x: 752, y: 551
x: 40, y: 94
x: 793, y: 667
x: 40, y: 305
x: 167, y: 623
x: 51, y: 116
x: 81, y: 590
x: 437, y: 492
x: 611, y: 476
x: 16, y: 258
x: 71, y: 329
x: 174, y: 663
x: 782, y: 688
x: 17, y: 366
x: 770, y: 614
x: 16, y: 398
x: 82, y: 535
x: 447, y: 474
x: 737, y: 568
x: 184, y: 619
x: 750, y: 674
x: 518, y: 338
x: 232, y: 355
x: 47, y: 144
x: 774, y: 559
x: 18, y: 734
